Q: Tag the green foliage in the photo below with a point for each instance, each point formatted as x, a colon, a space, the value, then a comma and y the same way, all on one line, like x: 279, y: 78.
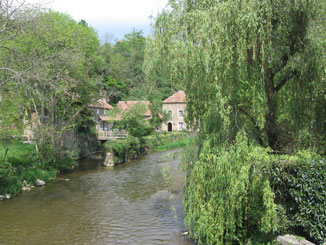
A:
x: 9, y: 182
x: 62, y: 82
x: 32, y: 174
x: 23, y: 164
x: 10, y: 123
x: 132, y: 147
x: 177, y: 144
x: 253, y: 65
x: 227, y: 197
x: 299, y: 184
x: 117, y: 89
x: 134, y: 122
x: 122, y: 70
x: 164, y: 140
x: 124, y: 149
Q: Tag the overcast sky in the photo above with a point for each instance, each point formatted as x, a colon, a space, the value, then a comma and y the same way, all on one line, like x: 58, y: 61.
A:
x: 111, y: 18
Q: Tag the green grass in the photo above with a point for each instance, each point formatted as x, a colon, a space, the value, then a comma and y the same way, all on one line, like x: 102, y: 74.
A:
x: 174, y: 145
x: 18, y: 150
x: 21, y: 164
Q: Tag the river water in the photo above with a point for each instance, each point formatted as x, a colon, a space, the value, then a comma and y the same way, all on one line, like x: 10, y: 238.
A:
x: 127, y: 204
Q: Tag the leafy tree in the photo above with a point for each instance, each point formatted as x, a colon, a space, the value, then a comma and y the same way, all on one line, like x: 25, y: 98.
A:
x: 116, y: 90
x: 15, y: 17
x: 159, y: 116
x: 134, y: 122
x: 11, y: 123
x: 122, y: 72
x: 253, y: 65
x: 60, y: 87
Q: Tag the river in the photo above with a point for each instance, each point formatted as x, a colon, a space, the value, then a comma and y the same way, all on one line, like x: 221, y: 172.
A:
x: 127, y: 204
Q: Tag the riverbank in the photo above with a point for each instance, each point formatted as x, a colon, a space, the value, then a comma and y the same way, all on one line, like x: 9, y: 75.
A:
x: 121, y: 150
x: 127, y: 204
x: 21, y: 169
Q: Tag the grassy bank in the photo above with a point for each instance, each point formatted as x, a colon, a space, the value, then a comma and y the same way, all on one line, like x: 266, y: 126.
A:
x: 173, y: 145
x: 22, y: 164
x: 131, y: 148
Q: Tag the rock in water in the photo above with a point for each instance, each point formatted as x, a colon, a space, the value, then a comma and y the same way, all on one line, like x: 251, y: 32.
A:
x: 7, y: 196
x: 2, y: 197
x: 108, y: 160
x: 39, y: 182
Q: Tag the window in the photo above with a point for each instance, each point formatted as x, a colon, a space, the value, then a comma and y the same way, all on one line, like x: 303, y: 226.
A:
x: 98, y: 111
x: 180, y: 113
x: 180, y: 126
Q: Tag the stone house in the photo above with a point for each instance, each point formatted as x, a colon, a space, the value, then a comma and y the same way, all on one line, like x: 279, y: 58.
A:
x: 105, y: 121
x: 100, y: 109
x: 175, y: 105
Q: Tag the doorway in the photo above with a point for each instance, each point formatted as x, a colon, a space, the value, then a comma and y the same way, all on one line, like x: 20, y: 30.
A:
x: 169, y: 127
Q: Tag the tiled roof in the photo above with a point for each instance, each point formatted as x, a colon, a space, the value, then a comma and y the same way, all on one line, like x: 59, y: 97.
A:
x: 178, y: 97
x: 126, y: 105
x: 101, y: 103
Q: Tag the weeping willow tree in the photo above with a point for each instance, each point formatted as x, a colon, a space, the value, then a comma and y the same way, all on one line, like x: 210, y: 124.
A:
x: 253, y: 65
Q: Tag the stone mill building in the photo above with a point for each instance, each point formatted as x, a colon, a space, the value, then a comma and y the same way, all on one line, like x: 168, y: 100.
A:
x: 175, y: 105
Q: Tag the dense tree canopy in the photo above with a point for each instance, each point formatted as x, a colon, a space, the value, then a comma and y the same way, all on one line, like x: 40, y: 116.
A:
x: 253, y: 65
x: 122, y: 71
x: 57, y: 82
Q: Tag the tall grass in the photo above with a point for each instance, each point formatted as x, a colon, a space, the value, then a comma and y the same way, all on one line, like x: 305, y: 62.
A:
x: 178, y: 144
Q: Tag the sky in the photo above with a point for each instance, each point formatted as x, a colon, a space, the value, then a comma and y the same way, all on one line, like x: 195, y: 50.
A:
x: 112, y: 19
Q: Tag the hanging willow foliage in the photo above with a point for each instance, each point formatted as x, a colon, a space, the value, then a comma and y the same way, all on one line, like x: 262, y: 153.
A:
x: 227, y: 197
x: 257, y: 65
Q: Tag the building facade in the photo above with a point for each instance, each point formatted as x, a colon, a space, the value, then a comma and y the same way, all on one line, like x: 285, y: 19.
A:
x: 100, y: 109
x: 175, y: 105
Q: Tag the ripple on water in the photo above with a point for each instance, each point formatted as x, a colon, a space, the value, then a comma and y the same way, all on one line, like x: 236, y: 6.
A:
x: 127, y: 204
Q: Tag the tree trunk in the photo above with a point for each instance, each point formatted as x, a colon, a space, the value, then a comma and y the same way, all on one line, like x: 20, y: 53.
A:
x: 271, y: 127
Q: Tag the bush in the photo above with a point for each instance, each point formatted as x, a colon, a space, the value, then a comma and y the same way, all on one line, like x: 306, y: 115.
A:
x: 132, y: 147
x: 31, y: 174
x: 124, y: 149
x: 9, y: 182
x: 299, y: 184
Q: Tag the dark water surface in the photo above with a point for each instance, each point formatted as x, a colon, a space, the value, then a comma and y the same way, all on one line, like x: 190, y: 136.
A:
x: 127, y: 204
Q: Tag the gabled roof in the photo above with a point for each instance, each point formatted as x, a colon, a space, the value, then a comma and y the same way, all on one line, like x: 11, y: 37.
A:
x: 127, y: 105
x: 101, y: 103
x: 178, y: 97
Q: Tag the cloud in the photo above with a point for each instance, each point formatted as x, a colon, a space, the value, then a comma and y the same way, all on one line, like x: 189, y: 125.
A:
x: 110, y: 14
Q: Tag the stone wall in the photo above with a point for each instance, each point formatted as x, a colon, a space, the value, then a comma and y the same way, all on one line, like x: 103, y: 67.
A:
x: 175, y: 117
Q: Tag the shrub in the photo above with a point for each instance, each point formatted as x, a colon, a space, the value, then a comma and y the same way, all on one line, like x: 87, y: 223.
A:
x: 9, y: 182
x: 124, y: 149
x: 131, y: 147
x: 31, y: 174
x: 299, y: 183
